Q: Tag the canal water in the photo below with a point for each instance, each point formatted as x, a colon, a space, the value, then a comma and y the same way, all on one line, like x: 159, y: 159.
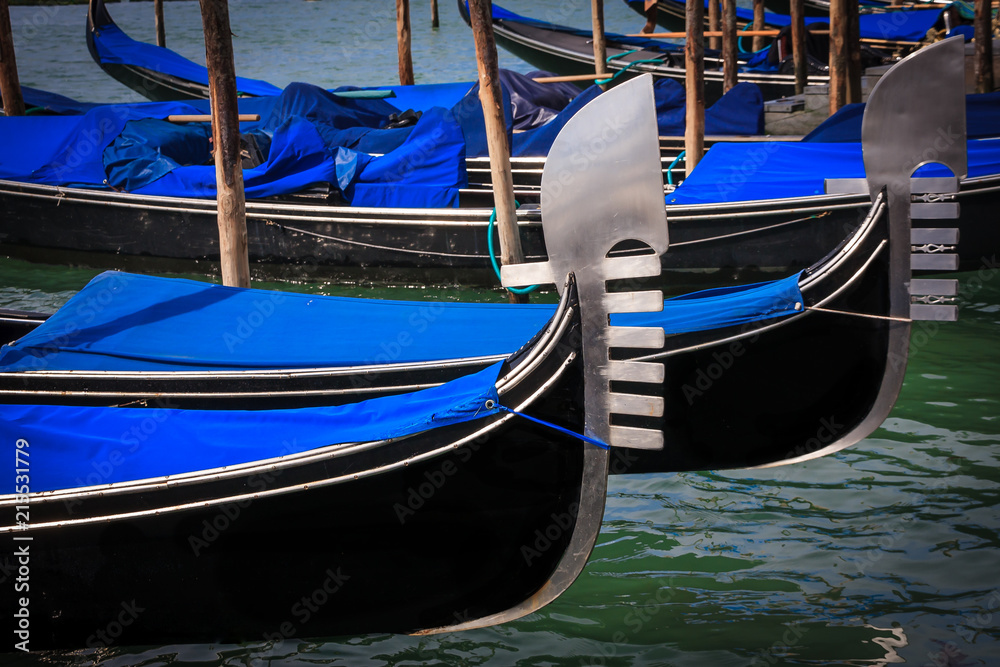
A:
x: 887, y: 553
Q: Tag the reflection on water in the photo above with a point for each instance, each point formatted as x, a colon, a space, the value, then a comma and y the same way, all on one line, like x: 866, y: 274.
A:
x: 886, y: 553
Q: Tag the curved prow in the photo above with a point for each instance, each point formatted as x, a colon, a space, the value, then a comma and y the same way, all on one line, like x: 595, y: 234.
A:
x: 601, y: 186
x: 97, y: 15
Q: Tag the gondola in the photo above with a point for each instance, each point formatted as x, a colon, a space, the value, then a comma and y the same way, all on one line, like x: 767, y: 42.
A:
x: 569, y: 50
x: 476, y: 501
x: 910, y: 26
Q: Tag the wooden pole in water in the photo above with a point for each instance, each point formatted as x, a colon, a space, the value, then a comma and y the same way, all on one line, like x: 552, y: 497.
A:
x: 161, y: 30
x: 729, y: 37
x: 10, y: 85
x: 226, y: 139
x: 853, y: 90
x: 799, y: 45
x: 481, y: 18
x: 403, y: 42
x: 984, y: 46
x: 600, y: 42
x: 713, y: 24
x: 694, y: 81
x: 758, y: 24
x: 435, y: 20
x: 838, y: 54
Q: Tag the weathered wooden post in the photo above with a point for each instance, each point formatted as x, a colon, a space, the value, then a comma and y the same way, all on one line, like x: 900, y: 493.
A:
x: 729, y: 37
x: 713, y: 24
x: 10, y: 85
x: 226, y: 139
x: 983, y: 27
x: 694, y: 82
x: 403, y: 42
x: 490, y: 96
x: 600, y: 42
x: 838, y: 54
x: 435, y: 20
x: 799, y: 45
x: 161, y: 30
x: 758, y: 24
x: 854, y: 69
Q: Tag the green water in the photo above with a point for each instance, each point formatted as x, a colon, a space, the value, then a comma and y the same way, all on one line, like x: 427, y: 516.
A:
x: 886, y: 553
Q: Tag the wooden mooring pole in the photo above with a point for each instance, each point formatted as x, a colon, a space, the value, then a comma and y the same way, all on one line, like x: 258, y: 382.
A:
x: 983, y: 27
x: 161, y: 30
x: 10, y: 85
x: 435, y: 19
x: 226, y: 139
x: 838, y: 54
x: 798, y: 17
x: 713, y: 24
x: 729, y: 51
x: 600, y: 42
x: 481, y: 18
x: 854, y: 69
x: 694, y: 81
x: 403, y: 42
x: 758, y: 24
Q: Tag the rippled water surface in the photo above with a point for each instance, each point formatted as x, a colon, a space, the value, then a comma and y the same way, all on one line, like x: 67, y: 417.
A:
x: 887, y: 553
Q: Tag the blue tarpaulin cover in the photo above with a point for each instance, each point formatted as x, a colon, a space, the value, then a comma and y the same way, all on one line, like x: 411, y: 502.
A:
x: 982, y: 120
x: 908, y: 25
x: 127, y: 322
x: 68, y: 445
x: 314, y: 137
x: 778, y: 170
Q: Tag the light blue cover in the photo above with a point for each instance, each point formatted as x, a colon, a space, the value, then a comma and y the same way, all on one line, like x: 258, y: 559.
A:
x: 71, y: 447
x: 128, y: 322
x: 779, y: 170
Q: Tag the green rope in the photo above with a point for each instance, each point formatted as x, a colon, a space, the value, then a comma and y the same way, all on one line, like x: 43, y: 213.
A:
x: 493, y: 259
x: 670, y: 169
x: 653, y: 61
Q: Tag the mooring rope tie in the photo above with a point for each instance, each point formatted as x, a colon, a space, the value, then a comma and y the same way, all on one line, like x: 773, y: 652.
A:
x: 865, y: 315
x: 651, y: 61
x: 542, y: 422
x: 493, y: 258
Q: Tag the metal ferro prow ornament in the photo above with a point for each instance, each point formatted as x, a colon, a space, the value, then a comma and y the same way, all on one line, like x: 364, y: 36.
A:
x: 584, y: 217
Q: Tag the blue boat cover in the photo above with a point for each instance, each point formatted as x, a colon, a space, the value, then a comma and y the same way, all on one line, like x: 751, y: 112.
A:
x: 903, y: 24
x: 73, y: 447
x: 982, y: 120
x: 41, y: 101
x: 778, y: 170
x: 115, y: 47
x: 127, y: 322
x: 313, y: 137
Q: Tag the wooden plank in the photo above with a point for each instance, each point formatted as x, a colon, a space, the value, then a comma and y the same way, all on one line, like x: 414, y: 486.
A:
x: 730, y: 66
x: 226, y: 139
x: 694, y: 81
x: 600, y: 41
x: 206, y: 118
x: 403, y: 42
x: 161, y: 29
x: 799, y: 45
x: 569, y: 77
x: 481, y: 18
x: 983, y: 26
x: 10, y: 85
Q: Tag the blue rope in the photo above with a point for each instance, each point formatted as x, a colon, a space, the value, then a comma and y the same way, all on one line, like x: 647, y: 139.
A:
x: 580, y: 436
x: 739, y: 41
x: 670, y: 169
x: 493, y: 259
